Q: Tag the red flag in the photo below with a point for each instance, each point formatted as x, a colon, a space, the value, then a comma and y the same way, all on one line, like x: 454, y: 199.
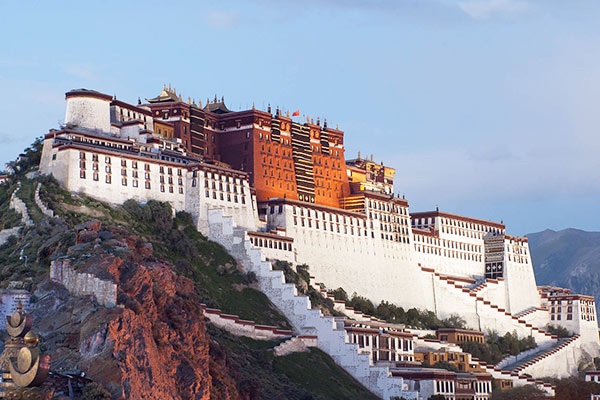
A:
x: 296, y: 113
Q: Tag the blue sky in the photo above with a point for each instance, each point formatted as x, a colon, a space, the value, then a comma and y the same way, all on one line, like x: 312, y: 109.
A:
x: 488, y: 108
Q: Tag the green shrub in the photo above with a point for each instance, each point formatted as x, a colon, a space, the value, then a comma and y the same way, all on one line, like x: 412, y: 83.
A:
x: 558, y: 330
x: 497, y: 347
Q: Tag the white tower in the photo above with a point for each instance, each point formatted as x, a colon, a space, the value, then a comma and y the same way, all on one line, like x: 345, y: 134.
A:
x: 88, y: 109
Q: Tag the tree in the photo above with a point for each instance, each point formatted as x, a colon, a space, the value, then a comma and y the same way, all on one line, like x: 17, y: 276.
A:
x: 575, y: 388
x: 340, y: 294
x: 362, y: 304
x: 446, y: 365
x: 559, y: 331
x: 455, y: 321
x: 527, y: 392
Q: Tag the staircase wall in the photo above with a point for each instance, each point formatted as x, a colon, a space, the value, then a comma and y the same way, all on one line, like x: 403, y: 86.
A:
x: 306, y: 321
x: 561, y: 363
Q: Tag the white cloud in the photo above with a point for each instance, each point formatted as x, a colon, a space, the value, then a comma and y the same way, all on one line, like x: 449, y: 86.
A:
x: 487, y: 9
x: 221, y: 19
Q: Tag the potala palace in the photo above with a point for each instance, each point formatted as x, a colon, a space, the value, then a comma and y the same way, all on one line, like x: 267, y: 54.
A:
x: 269, y: 187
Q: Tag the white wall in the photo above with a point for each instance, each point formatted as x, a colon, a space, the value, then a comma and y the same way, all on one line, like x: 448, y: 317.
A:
x: 88, y: 112
x: 355, y: 262
x: 520, y: 283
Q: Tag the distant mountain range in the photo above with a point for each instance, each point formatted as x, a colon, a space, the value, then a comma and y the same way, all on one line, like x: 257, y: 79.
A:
x: 569, y: 258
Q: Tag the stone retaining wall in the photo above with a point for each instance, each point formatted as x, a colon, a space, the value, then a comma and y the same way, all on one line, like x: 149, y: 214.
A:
x: 239, y: 327
x: 83, y: 284
x: 47, y: 211
x: 19, y: 206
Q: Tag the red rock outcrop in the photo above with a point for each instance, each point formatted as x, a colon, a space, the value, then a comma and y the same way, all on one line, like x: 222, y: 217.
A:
x: 160, y: 341
x: 154, y: 345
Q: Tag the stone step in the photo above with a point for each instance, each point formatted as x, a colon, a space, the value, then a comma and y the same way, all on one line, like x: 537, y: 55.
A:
x: 331, y: 333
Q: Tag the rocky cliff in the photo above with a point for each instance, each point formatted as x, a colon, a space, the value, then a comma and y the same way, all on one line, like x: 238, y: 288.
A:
x: 154, y: 346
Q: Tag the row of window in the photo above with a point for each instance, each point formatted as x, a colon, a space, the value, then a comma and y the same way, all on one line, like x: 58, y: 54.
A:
x: 321, y: 215
x: 450, y: 244
x: 389, y: 207
x: 457, y: 227
x: 131, y: 115
x: 271, y: 244
x: 221, y: 196
x: 124, y: 163
x: 337, y: 228
x: 380, y: 342
x: 134, y: 173
x: 444, y: 386
x: 83, y: 139
x: 134, y: 182
x: 518, y: 259
x: 559, y: 317
x: 228, y: 187
x: 218, y: 177
x: 388, y: 218
x: 273, y: 183
x: 448, y: 253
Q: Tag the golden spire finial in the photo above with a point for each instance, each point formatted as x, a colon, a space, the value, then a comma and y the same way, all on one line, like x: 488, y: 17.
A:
x: 307, y: 120
x: 199, y: 103
x: 189, y: 100
x: 179, y: 96
x: 164, y: 87
x: 169, y: 86
x: 253, y: 106
x: 287, y: 114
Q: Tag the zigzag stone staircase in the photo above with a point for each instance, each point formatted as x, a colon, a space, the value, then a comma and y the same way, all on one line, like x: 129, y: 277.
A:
x: 296, y: 344
x: 306, y: 321
x: 515, y: 377
x: 524, y: 364
x: 520, y: 325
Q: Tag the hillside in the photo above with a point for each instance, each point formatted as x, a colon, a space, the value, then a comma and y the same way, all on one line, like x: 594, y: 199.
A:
x: 155, y: 344
x: 568, y: 258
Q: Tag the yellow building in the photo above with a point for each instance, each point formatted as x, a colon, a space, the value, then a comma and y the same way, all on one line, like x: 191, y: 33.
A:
x: 457, y: 336
x: 462, y: 361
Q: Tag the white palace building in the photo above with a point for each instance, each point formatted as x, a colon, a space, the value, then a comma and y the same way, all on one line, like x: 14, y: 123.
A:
x: 284, y: 188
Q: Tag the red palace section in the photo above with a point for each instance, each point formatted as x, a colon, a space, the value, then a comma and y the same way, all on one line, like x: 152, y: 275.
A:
x: 284, y: 158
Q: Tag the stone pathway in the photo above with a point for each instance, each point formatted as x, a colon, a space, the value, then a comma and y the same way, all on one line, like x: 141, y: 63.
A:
x: 19, y: 206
